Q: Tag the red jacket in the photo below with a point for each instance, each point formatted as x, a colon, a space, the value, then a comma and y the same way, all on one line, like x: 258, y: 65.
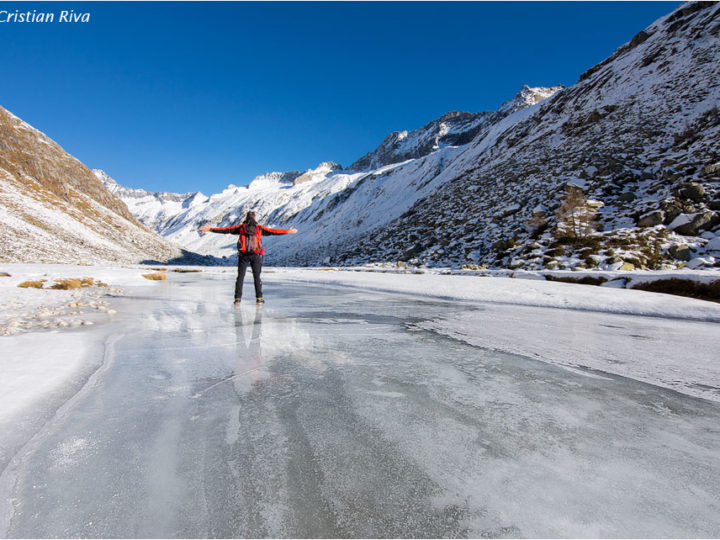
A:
x: 249, y: 243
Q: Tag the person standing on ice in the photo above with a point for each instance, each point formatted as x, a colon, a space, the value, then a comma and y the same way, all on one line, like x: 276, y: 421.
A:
x: 250, y: 250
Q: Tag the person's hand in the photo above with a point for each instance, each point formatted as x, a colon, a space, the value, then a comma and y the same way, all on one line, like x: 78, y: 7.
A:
x: 292, y: 230
x: 205, y: 228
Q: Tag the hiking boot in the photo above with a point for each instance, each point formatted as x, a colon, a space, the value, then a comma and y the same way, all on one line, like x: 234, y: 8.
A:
x: 236, y: 303
x: 259, y: 301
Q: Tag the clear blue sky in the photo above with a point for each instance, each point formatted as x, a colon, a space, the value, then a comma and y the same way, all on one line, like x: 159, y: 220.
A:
x: 195, y: 96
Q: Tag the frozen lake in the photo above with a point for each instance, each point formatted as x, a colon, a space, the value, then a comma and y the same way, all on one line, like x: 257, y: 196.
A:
x: 332, y: 412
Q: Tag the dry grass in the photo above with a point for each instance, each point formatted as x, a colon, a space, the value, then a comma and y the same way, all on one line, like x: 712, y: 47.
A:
x: 159, y: 269
x: 155, y: 276
x: 76, y: 283
x: 184, y: 270
x: 4, y: 274
x: 64, y: 284
x: 67, y: 284
x: 32, y: 284
x: 683, y: 287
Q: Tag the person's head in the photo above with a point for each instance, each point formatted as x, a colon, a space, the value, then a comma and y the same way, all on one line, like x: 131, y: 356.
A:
x: 250, y: 217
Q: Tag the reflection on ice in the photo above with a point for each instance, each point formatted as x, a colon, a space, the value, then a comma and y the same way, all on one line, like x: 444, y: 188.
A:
x: 331, y: 413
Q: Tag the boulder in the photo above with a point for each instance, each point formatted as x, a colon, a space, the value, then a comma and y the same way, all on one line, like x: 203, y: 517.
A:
x: 680, y: 253
x: 713, y: 245
x: 672, y: 210
x: 628, y: 196
x: 651, y: 219
x: 701, y: 262
x: 691, y: 190
x: 689, y: 224
x: 710, y: 169
x: 509, y: 210
x: 503, y: 244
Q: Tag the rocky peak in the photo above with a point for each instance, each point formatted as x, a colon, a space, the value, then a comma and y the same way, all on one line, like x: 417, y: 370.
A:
x: 136, y: 193
x: 106, y: 179
x: 527, y: 97
x: 454, y: 128
x: 273, y: 179
x: 318, y: 173
x: 451, y: 129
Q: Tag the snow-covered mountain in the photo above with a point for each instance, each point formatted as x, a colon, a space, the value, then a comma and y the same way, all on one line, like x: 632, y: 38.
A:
x: 152, y: 209
x: 53, y: 209
x: 331, y: 206
x: 638, y: 134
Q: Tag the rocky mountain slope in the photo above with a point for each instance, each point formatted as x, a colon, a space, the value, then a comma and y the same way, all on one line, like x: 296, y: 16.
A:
x: 53, y: 209
x: 639, y: 134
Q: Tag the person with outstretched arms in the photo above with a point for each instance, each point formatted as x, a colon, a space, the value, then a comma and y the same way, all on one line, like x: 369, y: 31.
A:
x: 250, y: 251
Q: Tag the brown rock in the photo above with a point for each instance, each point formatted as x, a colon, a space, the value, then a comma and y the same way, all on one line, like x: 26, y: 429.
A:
x: 651, y: 219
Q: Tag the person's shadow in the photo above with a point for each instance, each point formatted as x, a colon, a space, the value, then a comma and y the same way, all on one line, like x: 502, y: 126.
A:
x: 249, y: 368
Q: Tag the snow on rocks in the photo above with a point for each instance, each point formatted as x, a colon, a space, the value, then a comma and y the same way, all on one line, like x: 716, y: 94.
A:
x: 690, y: 223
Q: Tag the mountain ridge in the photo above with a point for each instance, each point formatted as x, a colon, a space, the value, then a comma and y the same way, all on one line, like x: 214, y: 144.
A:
x: 53, y: 209
x: 308, y: 198
x: 454, y: 128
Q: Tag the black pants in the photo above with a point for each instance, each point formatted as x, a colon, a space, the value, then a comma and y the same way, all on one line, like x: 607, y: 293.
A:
x: 255, y: 262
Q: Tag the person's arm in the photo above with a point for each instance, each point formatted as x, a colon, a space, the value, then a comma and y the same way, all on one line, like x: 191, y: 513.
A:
x: 267, y: 231
x: 235, y: 229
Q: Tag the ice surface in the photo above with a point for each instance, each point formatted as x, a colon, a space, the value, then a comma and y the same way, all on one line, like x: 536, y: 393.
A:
x: 332, y: 412
x: 677, y: 354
